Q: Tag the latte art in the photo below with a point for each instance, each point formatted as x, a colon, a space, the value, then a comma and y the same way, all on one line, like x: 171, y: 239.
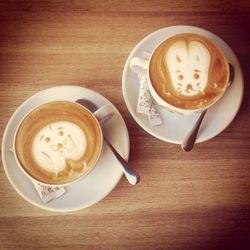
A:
x: 188, y: 65
x: 57, y: 142
x: 188, y: 71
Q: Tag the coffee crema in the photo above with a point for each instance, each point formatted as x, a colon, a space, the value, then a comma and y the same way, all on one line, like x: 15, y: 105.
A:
x: 58, y: 142
x: 188, y: 71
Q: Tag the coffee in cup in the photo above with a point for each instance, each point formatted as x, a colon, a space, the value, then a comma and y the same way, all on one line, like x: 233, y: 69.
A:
x: 58, y: 142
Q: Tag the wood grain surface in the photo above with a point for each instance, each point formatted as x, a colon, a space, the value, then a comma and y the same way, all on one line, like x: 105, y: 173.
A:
x: 196, y: 200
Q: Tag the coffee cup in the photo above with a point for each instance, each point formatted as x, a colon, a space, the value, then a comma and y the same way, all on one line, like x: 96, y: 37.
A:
x: 187, y: 73
x: 59, y: 142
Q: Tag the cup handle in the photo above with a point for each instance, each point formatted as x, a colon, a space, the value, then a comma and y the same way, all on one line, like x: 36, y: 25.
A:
x: 104, y: 114
x: 138, y: 65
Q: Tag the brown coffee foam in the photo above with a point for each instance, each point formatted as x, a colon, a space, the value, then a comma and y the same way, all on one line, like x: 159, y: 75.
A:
x: 161, y: 79
x: 49, y: 113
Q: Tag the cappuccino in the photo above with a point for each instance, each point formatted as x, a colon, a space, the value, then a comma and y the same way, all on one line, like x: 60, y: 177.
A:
x: 58, y: 142
x: 188, y: 71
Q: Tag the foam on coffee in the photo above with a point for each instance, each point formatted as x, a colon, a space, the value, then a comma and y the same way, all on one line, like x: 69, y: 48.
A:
x: 58, y: 142
x: 189, y: 71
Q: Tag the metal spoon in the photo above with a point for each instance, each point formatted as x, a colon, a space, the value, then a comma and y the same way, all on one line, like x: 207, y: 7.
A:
x: 132, y: 177
x: 189, y: 141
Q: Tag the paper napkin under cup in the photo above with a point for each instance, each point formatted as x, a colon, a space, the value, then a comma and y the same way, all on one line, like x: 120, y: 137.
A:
x: 48, y: 193
x: 145, y: 103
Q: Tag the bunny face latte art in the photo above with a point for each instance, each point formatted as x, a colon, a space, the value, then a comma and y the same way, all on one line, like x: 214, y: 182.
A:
x: 58, y: 142
x: 188, y: 71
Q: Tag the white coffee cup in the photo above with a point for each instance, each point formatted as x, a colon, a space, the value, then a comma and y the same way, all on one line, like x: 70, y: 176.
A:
x: 101, y: 116
x: 141, y: 65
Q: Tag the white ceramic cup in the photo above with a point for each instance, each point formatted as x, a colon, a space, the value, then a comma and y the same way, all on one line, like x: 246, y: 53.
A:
x: 101, y: 116
x: 141, y: 66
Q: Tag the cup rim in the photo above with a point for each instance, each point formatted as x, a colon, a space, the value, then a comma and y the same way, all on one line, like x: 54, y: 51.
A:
x: 167, y: 105
x: 84, y: 174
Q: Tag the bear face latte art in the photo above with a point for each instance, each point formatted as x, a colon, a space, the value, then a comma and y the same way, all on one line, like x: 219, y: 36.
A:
x: 58, y: 142
x: 188, y: 71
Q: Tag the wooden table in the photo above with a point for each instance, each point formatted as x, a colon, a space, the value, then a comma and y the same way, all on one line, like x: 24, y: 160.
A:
x: 196, y: 200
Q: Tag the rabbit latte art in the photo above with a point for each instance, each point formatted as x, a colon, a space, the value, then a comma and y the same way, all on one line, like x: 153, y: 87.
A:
x: 58, y: 142
x: 188, y: 71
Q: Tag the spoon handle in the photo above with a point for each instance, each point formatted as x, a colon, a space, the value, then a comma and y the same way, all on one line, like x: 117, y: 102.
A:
x: 132, y: 177
x: 189, y: 141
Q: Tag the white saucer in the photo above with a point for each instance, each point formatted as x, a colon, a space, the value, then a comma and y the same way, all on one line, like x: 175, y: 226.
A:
x: 98, y: 183
x: 175, y: 127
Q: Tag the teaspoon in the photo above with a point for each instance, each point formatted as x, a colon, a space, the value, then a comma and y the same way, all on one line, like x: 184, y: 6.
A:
x: 132, y: 177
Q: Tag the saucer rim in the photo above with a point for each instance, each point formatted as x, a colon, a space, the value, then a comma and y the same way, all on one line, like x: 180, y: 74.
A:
x: 126, y: 68
x: 44, y: 206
